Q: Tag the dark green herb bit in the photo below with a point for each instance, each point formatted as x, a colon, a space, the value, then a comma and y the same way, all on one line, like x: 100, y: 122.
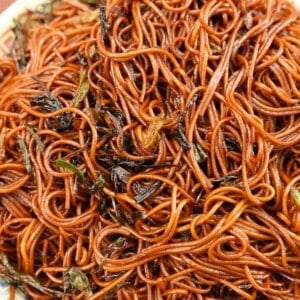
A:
x: 296, y: 196
x: 81, y: 59
x: 65, y: 164
x: 26, y: 156
x: 83, y: 89
x: 76, y: 279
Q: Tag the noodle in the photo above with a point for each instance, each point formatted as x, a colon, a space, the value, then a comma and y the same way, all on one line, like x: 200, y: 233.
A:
x: 150, y: 150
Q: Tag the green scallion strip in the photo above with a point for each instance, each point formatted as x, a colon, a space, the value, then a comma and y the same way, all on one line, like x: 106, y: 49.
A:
x: 65, y: 164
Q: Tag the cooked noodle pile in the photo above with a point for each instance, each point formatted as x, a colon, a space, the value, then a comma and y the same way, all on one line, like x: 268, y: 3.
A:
x: 151, y: 150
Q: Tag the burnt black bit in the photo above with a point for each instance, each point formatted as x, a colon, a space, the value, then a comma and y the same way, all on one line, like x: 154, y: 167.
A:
x: 179, y: 136
x: 154, y: 267
x: 60, y: 123
x: 128, y: 144
x: 163, y: 89
x: 109, y: 121
x: 104, y: 205
x: 119, y: 177
x: 132, y: 164
x: 201, y: 195
x: 81, y: 59
x: 109, y: 160
x: 96, y: 186
x: 215, y: 290
x: 110, y: 208
x: 224, y: 180
x: 106, y: 131
x: 76, y: 160
x: 91, y: 98
x: 232, y: 144
x: 147, y: 191
x: 119, y: 242
x: 182, y: 236
x: 105, y: 158
x: 48, y: 104
x: 184, y: 143
x: 114, y: 112
x: 103, y: 23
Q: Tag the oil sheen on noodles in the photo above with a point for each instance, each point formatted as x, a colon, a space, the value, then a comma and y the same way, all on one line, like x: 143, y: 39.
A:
x: 151, y: 150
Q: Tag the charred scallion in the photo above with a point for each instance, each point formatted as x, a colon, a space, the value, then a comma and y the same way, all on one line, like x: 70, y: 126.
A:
x: 147, y: 191
x: 37, y: 139
x: 83, y: 89
x: 25, y: 154
x: 103, y: 23
x: 20, y: 39
x: 48, y: 103
x: 184, y: 143
x: 200, y: 154
x: 75, y: 279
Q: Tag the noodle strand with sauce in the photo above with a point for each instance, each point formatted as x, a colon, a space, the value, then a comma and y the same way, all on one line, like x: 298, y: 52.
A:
x: 150, y: 150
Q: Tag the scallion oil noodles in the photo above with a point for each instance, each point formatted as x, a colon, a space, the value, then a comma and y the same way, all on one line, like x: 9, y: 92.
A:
x: 151, y: 150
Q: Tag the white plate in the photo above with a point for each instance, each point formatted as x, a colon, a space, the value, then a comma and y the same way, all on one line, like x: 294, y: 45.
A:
x: 7, y: 21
